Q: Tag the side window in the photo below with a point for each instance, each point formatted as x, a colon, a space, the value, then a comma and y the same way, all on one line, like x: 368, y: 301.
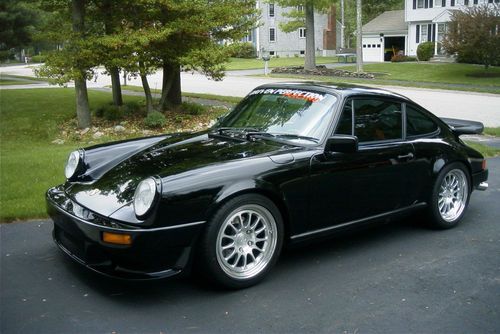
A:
x: 418, y: 124
x: 377, y: 119
x: 344, y: 127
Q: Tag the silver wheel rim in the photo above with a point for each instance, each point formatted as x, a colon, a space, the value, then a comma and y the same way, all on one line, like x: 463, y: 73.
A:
x: 453, y: 194
x: 246, y: 241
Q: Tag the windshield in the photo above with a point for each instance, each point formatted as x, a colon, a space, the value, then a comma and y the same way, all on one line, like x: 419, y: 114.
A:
x: 283, y: 112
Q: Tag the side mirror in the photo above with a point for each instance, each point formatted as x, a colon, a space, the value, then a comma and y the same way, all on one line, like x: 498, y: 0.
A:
x: 342, y: 144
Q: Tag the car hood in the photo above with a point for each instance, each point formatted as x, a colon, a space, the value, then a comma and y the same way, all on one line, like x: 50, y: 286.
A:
x: 173, y: 155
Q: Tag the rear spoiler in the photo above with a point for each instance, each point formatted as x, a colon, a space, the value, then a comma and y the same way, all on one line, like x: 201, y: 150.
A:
x: 464, y: 127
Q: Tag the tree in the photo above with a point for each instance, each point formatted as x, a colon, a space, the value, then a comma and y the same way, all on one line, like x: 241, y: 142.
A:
x: 474, y: 35
x: 359, y: 49
x: 370, y: 10
x: 299, y: 19
x: 17, y: 22
x: 75, y: 61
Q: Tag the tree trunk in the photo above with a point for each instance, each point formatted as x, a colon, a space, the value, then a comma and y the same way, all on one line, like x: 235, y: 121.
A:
x: 359, y: 38
x: 168, y: 79
x: 147, y: 89
x: 82, y: 103
x: 82, y: 99
x: 115, y: 86
x: 310, y: 61
x: 174, y: 95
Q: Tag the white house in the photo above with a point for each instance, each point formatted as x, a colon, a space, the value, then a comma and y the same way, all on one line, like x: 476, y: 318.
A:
x: 269, y: 39
x: 420, y: 21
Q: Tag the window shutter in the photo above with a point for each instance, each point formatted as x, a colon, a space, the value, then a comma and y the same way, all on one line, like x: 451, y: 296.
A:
x: 414, y: 4
x: 433, y: 32
x: 418, y: 33
x: 431, y: 3
x: 429, y: 32
x: 426, y: 4
x: 452, y: 3
x: 466, y: 2
x: 443, y: 4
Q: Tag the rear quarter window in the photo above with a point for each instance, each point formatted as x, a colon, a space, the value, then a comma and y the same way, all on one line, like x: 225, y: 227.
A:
x: 418, y: 124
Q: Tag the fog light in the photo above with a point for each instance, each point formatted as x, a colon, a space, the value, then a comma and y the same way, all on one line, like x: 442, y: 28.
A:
x: 117, y: 238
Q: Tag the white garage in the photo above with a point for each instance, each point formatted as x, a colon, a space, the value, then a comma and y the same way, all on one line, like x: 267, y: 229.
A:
x: 385, y: 36
x: 373, y: 49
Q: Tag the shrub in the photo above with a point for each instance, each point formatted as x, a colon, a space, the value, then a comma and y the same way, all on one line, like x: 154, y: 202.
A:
x: 133, y: 108
x: 155, y: 120
x: 192, y: 108
x: 425, y: 51
x: 109, y: 112
x: 38, y: 59
x: 402, y: 58
x: 242, y: 50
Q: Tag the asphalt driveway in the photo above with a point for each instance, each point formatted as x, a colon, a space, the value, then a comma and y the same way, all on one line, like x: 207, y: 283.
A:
x: 394, y: 278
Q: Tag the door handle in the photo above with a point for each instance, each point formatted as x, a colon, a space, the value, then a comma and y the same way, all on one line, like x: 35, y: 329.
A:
x: 408, y: 156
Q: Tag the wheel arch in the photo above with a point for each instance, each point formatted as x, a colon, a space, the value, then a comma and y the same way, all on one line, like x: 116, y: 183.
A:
x: 268, y: 192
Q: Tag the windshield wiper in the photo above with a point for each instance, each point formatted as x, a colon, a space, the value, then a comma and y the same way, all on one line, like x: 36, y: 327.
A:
x: 280, y: 135
x: 243, y: 129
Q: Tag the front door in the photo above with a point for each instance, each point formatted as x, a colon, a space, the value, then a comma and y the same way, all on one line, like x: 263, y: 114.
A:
x: 372, y: 181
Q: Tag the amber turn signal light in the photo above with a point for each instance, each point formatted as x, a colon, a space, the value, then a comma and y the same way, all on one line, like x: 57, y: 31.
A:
x: 117, y: 238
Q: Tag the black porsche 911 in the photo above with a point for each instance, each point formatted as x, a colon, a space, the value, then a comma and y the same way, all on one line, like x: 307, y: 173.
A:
x: 289, y: 163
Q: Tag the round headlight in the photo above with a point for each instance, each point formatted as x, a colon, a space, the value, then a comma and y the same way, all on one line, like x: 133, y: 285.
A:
x: 72, y: 164
x: 144, y: 196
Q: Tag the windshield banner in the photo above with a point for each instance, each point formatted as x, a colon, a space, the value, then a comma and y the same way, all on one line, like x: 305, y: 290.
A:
x: 291, y: 93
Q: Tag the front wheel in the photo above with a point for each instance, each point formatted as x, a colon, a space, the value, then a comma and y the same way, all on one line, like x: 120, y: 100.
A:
x: 242, y: 242
x: 450, y: 196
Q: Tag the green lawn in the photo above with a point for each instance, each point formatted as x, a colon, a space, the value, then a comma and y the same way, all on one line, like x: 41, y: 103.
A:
x: 29, y: 162
x: 492, y: 131
x: 228, y: 99
x: 426, y: 75
x: 248, y: 64
x: 17, y: 80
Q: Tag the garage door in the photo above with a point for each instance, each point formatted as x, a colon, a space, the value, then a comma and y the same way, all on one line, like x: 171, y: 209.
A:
x: 373, y: 49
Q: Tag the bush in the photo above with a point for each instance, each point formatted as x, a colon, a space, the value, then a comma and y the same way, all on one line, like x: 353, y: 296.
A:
x: 402, y: 58
x: 425, y: 51
x: 155, y: 120
x: 109, y: 112
x: 192, y: 108
x: 38, y: 59
x: 133, y: 108
x: 242, y: 50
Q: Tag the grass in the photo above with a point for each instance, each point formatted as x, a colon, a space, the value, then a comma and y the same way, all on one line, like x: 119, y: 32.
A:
x: 29, y: 162
x: 32, y: 118
x: 222, y: 98
x: 425, y: 75
x: 487, y: 151
x: 492, y: 131
x: 250, y: 64
x: 17, y: 80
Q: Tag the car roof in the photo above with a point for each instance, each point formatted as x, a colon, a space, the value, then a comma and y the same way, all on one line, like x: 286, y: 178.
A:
x: 334, y: 88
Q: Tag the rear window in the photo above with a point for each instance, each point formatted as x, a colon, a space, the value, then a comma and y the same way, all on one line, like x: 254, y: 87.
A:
x: 417, y: 123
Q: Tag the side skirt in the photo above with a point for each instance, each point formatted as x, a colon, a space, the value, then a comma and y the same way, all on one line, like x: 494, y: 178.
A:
x: 332, y: 229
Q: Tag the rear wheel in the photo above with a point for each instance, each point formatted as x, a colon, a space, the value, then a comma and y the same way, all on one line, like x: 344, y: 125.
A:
x: 242, y: 241
x: 450, y: 196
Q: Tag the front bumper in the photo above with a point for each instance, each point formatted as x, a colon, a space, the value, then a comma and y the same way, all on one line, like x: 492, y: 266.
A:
x: 153, y: 253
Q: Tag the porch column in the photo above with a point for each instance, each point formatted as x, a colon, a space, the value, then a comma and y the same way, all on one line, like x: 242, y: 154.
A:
x: 435, y: 39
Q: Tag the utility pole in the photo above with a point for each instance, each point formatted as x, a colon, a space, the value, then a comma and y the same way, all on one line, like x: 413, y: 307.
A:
x: 359, y: 38
x: 342, y: 28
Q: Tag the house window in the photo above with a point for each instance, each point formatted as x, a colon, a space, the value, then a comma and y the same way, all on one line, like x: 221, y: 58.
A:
x: 271, y: 10
x: 423, y: 33
x: 300, y: 8
x: 249, y: 36
x: 272, y: 34
x: 452, y: 3
x: 271, y: 53
x: 476, y: 2
x: 439, y: 3
x: 302, y: 52
x: 420, y: 3
x: 466, y: 2
x: 302, y: 32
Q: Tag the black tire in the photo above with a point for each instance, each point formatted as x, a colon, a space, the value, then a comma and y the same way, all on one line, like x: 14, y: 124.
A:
x: 217, y: 243
x: 444, y: 196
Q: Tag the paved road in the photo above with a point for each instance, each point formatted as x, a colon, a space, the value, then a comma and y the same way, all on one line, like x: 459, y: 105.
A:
x: 396, y: 278
x: 466, y: 105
